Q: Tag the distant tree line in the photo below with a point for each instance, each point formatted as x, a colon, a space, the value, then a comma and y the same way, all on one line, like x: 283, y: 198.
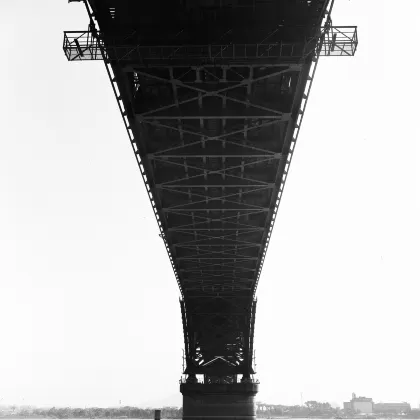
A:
x: 101, y: 413
x: 310, y: 409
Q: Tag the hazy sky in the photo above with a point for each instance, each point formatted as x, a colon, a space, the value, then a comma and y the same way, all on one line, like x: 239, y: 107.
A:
x: 89, y: 311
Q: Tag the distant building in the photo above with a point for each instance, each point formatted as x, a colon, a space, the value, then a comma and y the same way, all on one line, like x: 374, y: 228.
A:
x: 359, y: 405
x: 394, y: 408
x: 347, y: 406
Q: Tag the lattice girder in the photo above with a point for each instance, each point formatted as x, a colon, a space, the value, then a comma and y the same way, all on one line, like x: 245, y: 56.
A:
x: 213, y: 118
x: 215, y: 144
x: 221, y: 329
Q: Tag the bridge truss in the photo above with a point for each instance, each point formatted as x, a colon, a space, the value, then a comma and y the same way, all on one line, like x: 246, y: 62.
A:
x: 213, y: 127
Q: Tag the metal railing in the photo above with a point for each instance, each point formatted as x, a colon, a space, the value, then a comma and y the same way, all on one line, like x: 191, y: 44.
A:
x: 200, y: 381
x: 339, y: 41
x: 82, y: 45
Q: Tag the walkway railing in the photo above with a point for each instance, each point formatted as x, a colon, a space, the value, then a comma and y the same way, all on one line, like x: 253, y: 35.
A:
x: 201, y: 382
x: 82, y: 45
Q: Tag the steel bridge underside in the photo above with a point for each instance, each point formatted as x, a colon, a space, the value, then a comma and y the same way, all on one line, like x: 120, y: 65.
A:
x: 218, y: 140
x: 214, y: 142
x: 213, y: 131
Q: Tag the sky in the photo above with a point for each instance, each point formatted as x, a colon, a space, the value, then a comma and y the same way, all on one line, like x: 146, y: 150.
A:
x: 89, y: 311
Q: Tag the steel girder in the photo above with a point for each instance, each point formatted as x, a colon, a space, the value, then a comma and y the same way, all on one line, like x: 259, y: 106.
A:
x: 216, y: 141
x: 213, y: 128
x: 218, y: 337
x: 215, y: 146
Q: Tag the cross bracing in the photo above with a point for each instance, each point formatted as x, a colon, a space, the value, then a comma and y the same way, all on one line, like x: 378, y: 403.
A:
x: 213, y: 127
x: 217, y: 140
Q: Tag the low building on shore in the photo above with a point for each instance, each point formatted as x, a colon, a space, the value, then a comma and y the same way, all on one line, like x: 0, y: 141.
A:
x: 362, y: 405
x: 392, y: 408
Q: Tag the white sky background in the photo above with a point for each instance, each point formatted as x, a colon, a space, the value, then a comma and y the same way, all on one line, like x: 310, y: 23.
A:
x: 89, y: 311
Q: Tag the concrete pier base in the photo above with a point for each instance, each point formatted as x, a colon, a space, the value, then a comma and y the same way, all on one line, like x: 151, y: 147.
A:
x: 219, y: 401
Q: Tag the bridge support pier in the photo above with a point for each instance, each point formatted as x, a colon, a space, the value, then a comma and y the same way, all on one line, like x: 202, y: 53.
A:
x: 219, y: 401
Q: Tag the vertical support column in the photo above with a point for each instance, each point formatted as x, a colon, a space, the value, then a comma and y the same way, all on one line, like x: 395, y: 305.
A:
x: 184, y: 325
x: 249, y: 336
x: 219, y: 401
x: 251, y: 341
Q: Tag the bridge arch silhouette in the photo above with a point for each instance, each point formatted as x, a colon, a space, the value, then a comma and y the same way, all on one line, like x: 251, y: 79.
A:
x: 212, y: 94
